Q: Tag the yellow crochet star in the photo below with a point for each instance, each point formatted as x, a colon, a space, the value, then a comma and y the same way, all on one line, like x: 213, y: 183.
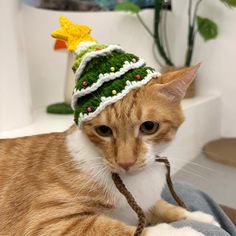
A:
x: 72, y: 33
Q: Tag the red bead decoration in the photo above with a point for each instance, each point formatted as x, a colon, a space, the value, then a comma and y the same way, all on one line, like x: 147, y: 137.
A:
x: 89, y: 109
x: 97, y: 49
x: 137, y: 76
x: 84, y: 83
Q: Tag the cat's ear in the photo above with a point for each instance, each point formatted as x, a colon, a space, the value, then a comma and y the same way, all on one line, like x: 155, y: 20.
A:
x: 177, y: 83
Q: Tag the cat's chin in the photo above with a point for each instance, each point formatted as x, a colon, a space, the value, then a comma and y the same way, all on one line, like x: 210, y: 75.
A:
x: 134, y: 171
x: 131, y: 171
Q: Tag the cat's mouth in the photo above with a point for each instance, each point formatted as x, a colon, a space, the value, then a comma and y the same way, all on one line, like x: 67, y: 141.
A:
x: 131, y: 171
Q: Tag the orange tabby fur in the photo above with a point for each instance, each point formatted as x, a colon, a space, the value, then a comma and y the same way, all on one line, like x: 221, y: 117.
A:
x: 44, y: 192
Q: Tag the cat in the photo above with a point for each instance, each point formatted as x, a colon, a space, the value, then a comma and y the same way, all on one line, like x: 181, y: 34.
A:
x: 60, y: 183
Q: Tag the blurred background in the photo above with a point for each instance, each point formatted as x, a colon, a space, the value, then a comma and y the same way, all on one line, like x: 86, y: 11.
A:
x: 36, y: 79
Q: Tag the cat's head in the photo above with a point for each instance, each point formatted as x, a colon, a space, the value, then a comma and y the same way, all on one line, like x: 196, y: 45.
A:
x: 130, y: 132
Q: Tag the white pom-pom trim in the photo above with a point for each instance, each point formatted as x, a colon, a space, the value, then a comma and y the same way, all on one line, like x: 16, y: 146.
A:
x: 108, y: 77
x: 109, y: 100
x: 83, y: 45
x: 90, y: 55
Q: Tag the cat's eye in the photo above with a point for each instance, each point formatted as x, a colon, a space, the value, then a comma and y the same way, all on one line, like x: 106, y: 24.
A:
x: 149, y: 127
x: 103, y: 130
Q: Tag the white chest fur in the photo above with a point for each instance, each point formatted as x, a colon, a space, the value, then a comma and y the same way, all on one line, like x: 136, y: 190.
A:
x: 146, y: 186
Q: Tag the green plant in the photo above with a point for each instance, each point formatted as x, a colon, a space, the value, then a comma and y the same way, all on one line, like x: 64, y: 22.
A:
x: 207, y: 28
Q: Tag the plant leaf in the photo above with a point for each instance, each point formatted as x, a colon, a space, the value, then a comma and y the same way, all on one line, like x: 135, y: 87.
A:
x: 127, y: 6
x: 229, y: 3
x: 207, y: 28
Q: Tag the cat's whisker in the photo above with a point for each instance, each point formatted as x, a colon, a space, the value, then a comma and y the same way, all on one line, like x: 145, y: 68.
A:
x: 96, y: 176
x: 150, y: 160
x: 192, y: 163
x: 95, y: 162
x: 64, y: 163
x: 96, y: 169
x: 99, y: 172
x: 203, y: 167
x: 194, y: 171
x: 150, y: 168
x: 93, y: 165
x: 84, y: 187
x: 191, y: 173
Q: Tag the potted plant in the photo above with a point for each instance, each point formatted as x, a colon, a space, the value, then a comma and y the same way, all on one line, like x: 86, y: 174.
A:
x: 197, y: 24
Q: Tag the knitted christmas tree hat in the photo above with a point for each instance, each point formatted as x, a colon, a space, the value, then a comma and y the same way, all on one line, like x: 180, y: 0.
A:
x: 104, y: 74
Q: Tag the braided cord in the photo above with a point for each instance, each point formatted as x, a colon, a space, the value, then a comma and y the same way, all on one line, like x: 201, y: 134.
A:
x: 133, y: 204
x: 169, y: 181
x: 130, y: 199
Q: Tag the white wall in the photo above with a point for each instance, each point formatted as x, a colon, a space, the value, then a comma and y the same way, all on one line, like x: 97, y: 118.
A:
x: 47, y: 68
x: 15, y: 101
x: 218, y: 72
x: 220, y: 64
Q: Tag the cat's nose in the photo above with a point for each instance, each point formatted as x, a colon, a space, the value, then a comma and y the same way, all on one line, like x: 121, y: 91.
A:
x: 126, y: 165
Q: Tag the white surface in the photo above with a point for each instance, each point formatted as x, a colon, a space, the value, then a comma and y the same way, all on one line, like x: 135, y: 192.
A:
x: 15, y: 102
x: 216, y: 179
x: 42, y: 123
x: 218, y: 57
x: 219, y: 68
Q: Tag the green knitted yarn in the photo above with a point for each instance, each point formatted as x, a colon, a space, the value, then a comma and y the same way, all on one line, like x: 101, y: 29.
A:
x: 60, y: 108
x: 103, y: 65
x: 91, y: 48
x: 93, y: 99
x: 104, y: 77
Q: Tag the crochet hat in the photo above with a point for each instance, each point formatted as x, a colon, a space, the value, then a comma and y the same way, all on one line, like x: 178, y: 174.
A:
x: 104, y: 74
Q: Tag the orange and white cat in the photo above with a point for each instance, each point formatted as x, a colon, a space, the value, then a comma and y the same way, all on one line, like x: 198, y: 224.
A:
x: 60, y: 183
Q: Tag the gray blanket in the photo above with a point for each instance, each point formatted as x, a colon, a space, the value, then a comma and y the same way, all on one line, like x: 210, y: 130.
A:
x: 197, y: 200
